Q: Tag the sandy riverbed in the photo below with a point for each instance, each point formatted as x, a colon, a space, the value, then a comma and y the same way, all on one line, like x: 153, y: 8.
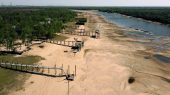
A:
x: 104, y: 66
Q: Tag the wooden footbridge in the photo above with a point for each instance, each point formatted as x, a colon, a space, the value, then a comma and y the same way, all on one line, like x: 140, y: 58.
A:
x: 95, y: 34
x: 40, y: 70
x: 67, y: 43
x: 75, y: 45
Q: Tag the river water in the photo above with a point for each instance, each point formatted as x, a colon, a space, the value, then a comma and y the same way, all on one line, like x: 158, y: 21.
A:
x: 157, y: 34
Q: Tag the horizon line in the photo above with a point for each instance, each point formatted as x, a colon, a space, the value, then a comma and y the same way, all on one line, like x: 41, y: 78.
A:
x: 71, y: 6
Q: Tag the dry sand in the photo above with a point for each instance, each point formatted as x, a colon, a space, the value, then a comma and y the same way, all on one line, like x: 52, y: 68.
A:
x: 104, y: 66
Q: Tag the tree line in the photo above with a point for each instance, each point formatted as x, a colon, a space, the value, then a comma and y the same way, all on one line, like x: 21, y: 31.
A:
x: 154, y: 14
x: 158, y: 14
x: 30, y: 24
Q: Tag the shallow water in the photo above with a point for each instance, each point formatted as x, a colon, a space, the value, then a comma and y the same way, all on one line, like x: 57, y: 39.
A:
x: 157, y: 34
x: 162, y: 58
x: 131, y: 22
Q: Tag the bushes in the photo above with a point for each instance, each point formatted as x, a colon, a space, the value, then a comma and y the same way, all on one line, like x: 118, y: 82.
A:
x: 81, y: 21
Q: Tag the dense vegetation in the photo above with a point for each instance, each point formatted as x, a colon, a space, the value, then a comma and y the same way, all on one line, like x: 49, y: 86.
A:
x: 29, y: 24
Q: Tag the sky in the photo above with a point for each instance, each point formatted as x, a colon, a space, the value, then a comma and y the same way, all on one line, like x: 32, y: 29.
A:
x: 87, y: 2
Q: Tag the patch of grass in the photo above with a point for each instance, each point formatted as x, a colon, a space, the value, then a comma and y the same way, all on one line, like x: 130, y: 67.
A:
x: 60, y: 38
x: 12, y: 79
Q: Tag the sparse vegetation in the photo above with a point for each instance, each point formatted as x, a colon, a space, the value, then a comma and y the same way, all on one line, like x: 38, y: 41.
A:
x: 11, y: 79
x: 59, y: 37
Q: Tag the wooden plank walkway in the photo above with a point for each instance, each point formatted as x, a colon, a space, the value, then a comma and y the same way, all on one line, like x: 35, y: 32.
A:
x: 40, y: 70
x: 95, y: 34
x: 63, y: 43
x: 75, y: 45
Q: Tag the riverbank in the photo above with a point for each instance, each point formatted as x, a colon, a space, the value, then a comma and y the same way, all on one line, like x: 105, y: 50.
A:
x: 111, y: 65
x: 156, y: 36
x: 158, y: 14
x: 132, y: 22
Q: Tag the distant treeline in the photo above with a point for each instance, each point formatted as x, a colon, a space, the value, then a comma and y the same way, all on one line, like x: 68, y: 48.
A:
x: 158, y: 14
x: 29, y: 24
x: 154, y: 14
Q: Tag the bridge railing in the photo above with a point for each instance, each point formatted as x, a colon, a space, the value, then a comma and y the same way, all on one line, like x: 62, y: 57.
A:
x: 39, y: 69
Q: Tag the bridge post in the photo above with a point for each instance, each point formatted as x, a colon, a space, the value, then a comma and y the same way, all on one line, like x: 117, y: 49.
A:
x: 37, y: 68
x: 1, y: 64
x: 48, y: 70
x: 32, y: 69
x: 68, y: 43
x: 42, y: 70
x: 60, y: 42
x: 55, y: 71
x: 72, y: 43
x: 21, y: 67
x: 16, y: 66
x: 75, y: 70
x: 11, y: 66
x: 5, y: 64
x: 26, y: 67
x: 68, y: 70
x: 64, y: 43
x: 62, y: 70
